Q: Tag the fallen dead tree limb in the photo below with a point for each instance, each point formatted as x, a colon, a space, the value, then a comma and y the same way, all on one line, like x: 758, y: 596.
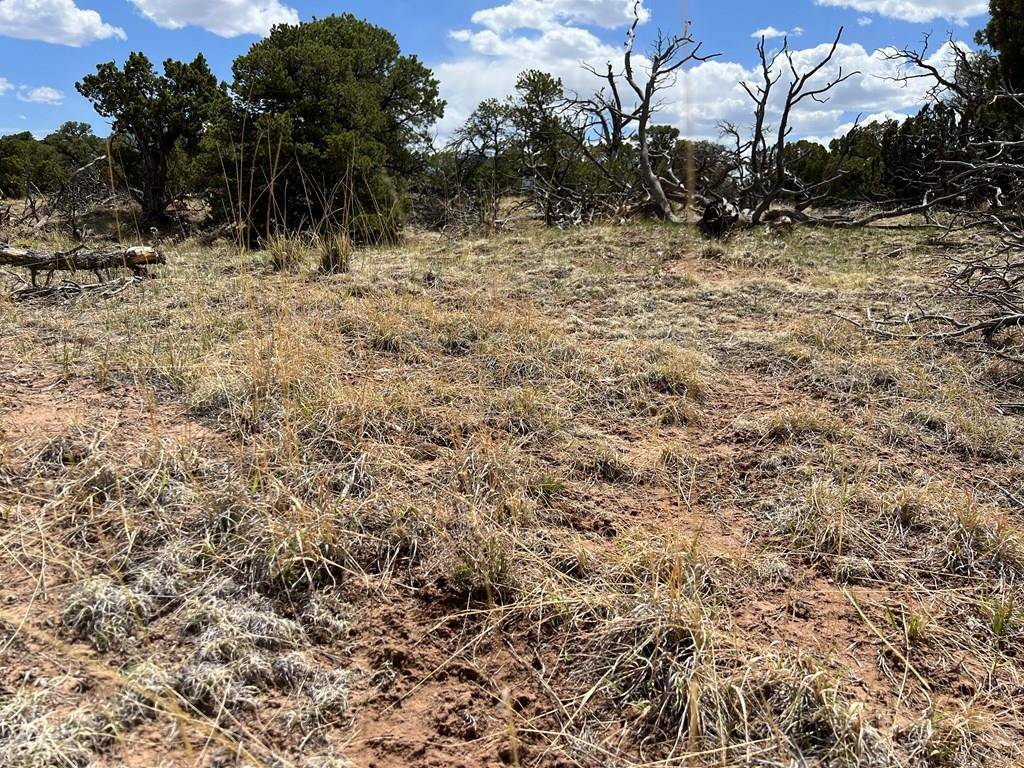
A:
x: 926, y: 326
x: 729, y: 216
x: 81, y: 260
x: 69, y: 291
x: 956, y: 329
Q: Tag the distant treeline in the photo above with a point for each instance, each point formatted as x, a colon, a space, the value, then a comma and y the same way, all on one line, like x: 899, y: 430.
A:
x: 28, y: 164
x: 327, y: 125
x: 880, y: 161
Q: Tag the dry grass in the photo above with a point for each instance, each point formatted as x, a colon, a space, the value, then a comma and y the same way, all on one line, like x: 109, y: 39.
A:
x: 607, y: 497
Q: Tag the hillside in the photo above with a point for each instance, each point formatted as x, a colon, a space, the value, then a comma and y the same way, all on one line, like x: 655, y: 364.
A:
x: 614, y: 496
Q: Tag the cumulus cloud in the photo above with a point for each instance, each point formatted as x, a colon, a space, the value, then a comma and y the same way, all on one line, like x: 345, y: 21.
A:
x: 772, y: 33
x: 227, y: 18
x: 493, y: 60
x: 543, y: 14
x: 54, y: 21
x: 704, y: 96
x: 41, y: 95
x: 915, y: 10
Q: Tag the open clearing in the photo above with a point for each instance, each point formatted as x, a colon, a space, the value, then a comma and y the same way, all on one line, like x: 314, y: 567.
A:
x: 607, y: 497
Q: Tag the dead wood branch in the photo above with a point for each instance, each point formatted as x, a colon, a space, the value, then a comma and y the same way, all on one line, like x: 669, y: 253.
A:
x: 81, y: 260
x: 68, y: 290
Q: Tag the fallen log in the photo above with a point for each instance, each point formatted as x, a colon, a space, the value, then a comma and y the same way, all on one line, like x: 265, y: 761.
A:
x: 81, y: 260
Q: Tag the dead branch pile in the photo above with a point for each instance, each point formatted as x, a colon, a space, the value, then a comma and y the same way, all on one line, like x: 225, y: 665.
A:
x: 987, y: 291
x: 985, y: 285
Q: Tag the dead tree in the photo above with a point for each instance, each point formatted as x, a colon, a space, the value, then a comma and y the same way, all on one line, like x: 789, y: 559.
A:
x: 761, y: 156
x: 948, y: 85
x: 667, y: 57
x: 620, y: 115
x: 83, y: 191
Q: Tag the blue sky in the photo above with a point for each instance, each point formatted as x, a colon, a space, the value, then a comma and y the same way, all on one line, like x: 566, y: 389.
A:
x: 476, y: 46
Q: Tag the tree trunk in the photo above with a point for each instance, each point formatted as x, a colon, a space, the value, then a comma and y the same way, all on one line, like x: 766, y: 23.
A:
x: 651, y: 180
x: 155, y: 199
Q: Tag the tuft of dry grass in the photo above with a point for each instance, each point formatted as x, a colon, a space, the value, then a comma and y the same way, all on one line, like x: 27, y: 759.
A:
x: 106, y: 613
x: 335, y: 249
x: 284, y: 253
x: 801, y: 423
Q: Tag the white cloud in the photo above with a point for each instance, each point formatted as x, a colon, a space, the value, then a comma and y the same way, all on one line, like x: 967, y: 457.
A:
x: 33, y: 95
x: 493, y: 61
x: 544, y: 14
x: 916, y: 10
x: 714, y: 86
x: 54, y: 21
x: 41, y: 95
x: 772, y: 33
x: 227, y: 18
x: 865, y: 21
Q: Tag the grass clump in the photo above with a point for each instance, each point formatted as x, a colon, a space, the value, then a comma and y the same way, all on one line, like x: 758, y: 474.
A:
x: 335, y: 250
x: 32, y: 735
x: 228, y: 630
x: 482, y: 566
x: 284, y: 253
x: 105, y: 612
x: 978, y: 543
x: 969, y: 427
x: 524, y: 411
x: 604, y: 462
x: 679, y: 372
x: 800, y: 423
x: 214, y: 689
